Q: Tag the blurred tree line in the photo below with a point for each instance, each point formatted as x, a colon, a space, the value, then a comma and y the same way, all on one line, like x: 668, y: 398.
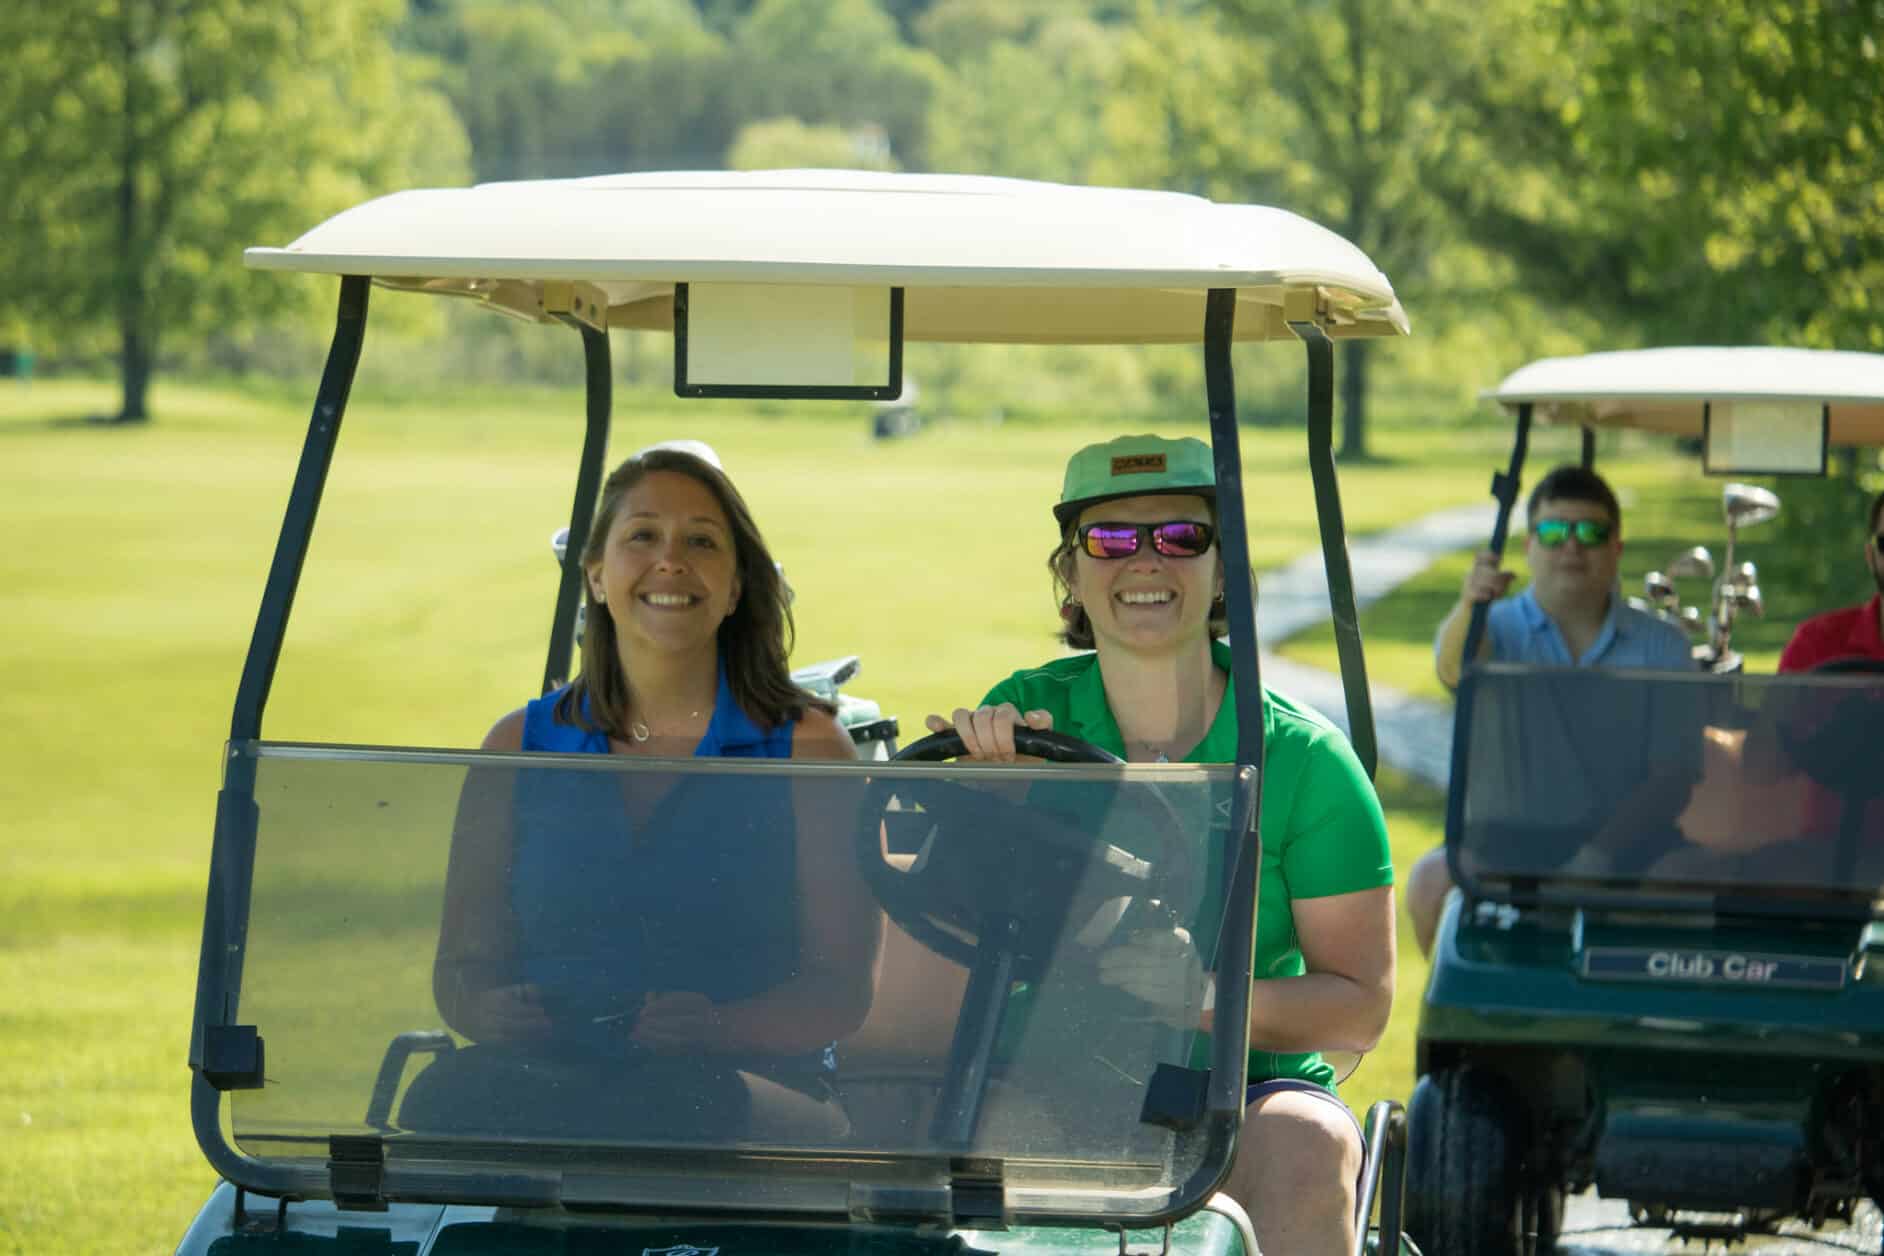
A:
x: 1534, y: 175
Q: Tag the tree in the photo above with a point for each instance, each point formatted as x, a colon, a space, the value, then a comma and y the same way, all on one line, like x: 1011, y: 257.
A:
x: 1024, y: 100
x: 1698, y: 171
x: 786, y: 143
x: 149, y: 141
x: 1339, y: 110
x: 836, y: 63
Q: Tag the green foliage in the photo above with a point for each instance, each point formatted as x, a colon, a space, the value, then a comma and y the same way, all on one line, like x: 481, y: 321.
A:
x: 581, y: 86
x: 1023, y: 100
x: 787, y: 143
x: 1821, y: 529
x: 148, y: 142
x: 834, y: 62
x: 1341, y: 112
x: 1698, y: 172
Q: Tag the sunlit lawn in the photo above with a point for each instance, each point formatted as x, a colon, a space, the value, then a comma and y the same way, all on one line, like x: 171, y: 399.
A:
x: 128, y: 586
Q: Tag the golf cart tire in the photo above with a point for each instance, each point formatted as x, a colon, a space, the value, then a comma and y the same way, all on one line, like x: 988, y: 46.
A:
x: 1466, y: 1193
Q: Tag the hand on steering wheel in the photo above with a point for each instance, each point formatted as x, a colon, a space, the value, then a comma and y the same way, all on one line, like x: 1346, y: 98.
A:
x: 984, y: 856
x: 987, y: 732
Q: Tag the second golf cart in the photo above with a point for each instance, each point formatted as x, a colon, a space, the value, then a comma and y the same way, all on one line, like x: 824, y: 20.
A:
x: 1659, y: 977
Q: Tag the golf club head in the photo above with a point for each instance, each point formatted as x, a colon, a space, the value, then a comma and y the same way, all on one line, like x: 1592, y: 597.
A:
x: 1746, y: 504
x: 1659, y: 589
x: 1692, y: 622
x: 1749, y: 599
x: 1745, y: 576
x: 1692, y: 562
x: 559, y: 544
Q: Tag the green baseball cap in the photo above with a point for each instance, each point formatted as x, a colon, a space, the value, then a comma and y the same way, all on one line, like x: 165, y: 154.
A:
x: 1135, y: 466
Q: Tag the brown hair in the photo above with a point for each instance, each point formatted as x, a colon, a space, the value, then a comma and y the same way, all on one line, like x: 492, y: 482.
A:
x: 1075, y: 624
x: 755, y: 638
x: 1573, y: 483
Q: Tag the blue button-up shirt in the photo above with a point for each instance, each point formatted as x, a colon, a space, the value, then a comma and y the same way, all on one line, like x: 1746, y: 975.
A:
x: 1520, y: 632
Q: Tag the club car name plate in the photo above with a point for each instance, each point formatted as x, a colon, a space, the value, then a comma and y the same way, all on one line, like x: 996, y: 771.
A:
x: 1714, y: 968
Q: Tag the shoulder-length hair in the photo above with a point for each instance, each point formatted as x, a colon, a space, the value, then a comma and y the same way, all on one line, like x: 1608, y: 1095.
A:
x: 755, y: 639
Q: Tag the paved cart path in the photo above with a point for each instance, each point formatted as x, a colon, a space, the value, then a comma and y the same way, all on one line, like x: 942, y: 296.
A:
x: 1415, y: 736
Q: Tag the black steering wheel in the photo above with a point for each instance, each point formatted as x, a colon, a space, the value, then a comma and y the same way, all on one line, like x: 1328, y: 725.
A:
x: 1026, y: 865
x: 1852, y: 663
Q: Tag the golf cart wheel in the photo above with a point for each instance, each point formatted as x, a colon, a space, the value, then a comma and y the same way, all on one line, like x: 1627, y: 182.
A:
x: 1466, y: 1190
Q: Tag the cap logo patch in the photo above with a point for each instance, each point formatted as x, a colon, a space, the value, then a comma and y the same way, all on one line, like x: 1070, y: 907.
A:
x: 1138, y: 464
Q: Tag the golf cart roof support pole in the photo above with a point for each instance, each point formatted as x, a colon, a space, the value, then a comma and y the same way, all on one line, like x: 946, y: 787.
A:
x: 600, y: 396
x: 1224, y: 1101
x: 1589, y: 447
x: 232, y: 855
x: 1334, y: 543
x: 1505, y: 486
x: 304, y: 501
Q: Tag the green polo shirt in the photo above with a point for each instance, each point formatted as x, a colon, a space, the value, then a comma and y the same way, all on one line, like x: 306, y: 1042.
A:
x: 1321, y: 826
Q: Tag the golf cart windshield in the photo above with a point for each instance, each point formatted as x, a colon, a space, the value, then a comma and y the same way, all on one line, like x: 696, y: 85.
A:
x: 1702, y: 789
x: 1578, y: 781
x: 401, y: 895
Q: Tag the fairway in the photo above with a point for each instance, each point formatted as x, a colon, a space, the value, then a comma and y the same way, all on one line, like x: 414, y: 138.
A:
x: 130, y: 588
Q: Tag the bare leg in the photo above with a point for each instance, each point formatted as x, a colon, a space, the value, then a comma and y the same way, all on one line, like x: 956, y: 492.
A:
x: 1427, y: 884
x: 783, y: 1115
x: 1295, y: 1167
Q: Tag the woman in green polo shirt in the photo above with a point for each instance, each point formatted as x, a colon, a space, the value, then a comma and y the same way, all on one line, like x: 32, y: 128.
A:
x: 1140, y: 582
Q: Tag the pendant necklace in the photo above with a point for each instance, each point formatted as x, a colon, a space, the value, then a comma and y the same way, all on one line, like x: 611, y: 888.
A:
x: 641, y: 732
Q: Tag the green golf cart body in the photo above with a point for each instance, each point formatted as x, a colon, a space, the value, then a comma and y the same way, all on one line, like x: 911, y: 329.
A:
x: 1658, y: 976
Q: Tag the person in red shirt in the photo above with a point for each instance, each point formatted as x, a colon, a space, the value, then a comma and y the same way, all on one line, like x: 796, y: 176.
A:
x: 1854, y: 632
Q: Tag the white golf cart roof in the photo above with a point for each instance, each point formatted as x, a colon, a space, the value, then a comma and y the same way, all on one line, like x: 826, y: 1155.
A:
x: 1666, y: 390
x: 981, y: 259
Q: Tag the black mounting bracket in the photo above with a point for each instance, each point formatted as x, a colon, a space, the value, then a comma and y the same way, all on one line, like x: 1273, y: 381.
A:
x: 977, y: 1196
x: 356, y: 1172
x: 232, y: 1057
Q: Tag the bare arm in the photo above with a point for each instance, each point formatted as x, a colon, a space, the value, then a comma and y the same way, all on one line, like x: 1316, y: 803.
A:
x: 1342, y: 1002
x: 1482, y: 583
x: 474, y: 974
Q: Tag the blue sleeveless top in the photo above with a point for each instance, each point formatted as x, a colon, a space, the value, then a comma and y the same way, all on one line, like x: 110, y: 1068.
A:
x: 700, y: 895
x: 730, y: 734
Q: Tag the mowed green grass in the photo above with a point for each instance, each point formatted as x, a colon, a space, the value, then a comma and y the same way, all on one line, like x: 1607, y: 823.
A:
x: 133, y: 565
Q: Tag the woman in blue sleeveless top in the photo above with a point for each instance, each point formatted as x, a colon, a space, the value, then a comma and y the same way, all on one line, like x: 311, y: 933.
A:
x: 718, y: 923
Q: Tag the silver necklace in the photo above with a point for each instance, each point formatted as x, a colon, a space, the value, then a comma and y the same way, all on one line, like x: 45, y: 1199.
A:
x: 640, y: 732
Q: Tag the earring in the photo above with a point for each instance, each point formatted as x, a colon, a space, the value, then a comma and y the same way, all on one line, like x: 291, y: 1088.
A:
x: 1072, y: 601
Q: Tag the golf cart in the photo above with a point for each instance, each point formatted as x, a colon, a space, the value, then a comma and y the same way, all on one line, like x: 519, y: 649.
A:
x: 347, y: 1108
x: 1659, y: 976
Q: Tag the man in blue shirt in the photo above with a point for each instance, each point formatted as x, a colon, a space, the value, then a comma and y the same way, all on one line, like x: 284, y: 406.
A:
x: 1571, y: 615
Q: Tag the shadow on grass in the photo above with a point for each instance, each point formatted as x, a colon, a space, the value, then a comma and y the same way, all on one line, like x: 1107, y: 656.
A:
x: 1371, y: 460
x: 68, y: 423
